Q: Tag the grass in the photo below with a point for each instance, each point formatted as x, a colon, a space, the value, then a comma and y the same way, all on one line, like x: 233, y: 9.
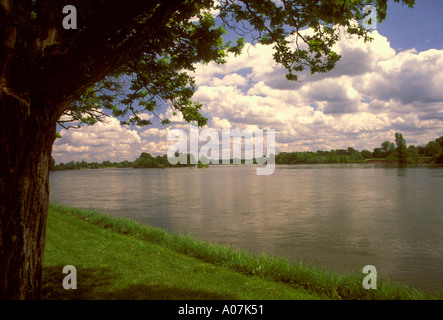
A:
x: 118, y: 258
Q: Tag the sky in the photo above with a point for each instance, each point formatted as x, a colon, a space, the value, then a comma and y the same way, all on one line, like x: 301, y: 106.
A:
x: 392, y: 84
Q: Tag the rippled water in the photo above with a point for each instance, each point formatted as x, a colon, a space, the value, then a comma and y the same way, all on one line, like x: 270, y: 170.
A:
x: 342, y: 217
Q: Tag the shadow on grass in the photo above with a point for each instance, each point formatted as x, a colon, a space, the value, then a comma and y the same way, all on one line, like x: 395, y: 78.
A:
x: 92, y: 284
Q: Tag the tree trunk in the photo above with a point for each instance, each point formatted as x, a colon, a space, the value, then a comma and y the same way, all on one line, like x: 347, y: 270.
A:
x: 44, y: 68
x: 26, y: 138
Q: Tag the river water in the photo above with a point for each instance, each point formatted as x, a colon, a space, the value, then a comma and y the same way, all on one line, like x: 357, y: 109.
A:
x: 341, y: 217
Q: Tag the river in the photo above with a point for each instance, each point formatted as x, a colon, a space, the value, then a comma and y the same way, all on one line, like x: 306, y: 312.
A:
x: 341, y: 217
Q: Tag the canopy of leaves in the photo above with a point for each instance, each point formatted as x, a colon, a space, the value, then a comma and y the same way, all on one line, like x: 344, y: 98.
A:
x: 161, y: 71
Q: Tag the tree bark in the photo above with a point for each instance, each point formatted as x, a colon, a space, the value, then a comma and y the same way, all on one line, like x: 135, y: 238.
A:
x: 26, y: 138
x: 43, y: 69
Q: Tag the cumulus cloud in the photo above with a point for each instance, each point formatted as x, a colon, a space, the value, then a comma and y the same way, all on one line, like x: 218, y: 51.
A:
x: 408, y: 77
x: 373, y: 92
x: 102, y: 141
x: 232, y: 79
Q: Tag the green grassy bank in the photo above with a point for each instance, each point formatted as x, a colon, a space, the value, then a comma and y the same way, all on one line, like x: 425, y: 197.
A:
x: 121, y: 259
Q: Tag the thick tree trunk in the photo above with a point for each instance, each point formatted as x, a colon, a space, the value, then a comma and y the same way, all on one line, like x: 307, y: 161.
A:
x: 26, y: 138
x: 44, y: 68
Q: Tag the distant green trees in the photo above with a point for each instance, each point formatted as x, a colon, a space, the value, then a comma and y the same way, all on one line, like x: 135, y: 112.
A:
x: 387, y: 148
x: 401, y: 149
x: 146, y: 160
x: 308, y: 157
x: 71, y: 165
x: 435, y: 149
x: 387, y: 152
x: 400, y: 152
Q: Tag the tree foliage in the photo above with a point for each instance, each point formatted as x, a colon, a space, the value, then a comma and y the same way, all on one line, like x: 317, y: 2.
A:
x: 401, y: 149
x: 388, y: 152
x: 161, y: 70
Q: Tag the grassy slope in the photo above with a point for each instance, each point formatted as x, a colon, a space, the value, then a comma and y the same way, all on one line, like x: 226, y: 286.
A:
x: 121, y: 259
x: 119, y: 266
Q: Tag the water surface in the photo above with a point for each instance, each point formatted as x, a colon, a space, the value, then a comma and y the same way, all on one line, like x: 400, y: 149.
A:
x: 342, y: 217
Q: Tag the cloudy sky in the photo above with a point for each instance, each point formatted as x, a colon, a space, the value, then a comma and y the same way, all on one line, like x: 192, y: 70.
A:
x: 393, y: 84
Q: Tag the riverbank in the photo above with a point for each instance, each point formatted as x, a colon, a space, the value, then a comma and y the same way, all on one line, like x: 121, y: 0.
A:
x: 120, y: 259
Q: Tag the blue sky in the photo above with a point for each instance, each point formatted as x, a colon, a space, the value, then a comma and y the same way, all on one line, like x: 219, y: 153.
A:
x: 392, y: 84
x: 420, y: 27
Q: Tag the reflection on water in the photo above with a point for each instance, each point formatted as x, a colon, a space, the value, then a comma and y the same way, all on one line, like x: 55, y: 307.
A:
x: 342, y: 217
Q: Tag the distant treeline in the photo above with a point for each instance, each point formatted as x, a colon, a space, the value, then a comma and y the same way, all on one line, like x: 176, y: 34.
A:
x: 387, y: 152
x: 145, y: 160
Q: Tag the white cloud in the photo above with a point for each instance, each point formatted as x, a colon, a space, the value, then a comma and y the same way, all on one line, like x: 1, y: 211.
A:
x: 102, y: 141
x: 408, y: 77
x: 372, y: 90
x: 372, y: 93
x: 232, y: 79
x: 220, y: 124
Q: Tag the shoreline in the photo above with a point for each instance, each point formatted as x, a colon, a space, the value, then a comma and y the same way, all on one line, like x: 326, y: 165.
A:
x: 202, y: 166
x: 294, y: 280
